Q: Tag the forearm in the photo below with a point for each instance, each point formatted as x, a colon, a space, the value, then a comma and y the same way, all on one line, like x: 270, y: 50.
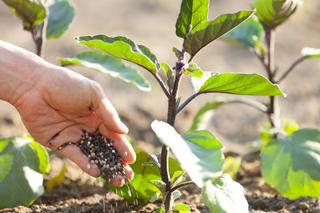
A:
x: 19, y: 71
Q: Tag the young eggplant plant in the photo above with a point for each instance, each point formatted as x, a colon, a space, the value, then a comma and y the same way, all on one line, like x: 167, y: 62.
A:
x: 42, y: 18
x: 198, y: 152
x: 22, y: 159
x: 289, y: 155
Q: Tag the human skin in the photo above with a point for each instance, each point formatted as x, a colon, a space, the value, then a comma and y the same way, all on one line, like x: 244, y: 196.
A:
x: 55, y: 104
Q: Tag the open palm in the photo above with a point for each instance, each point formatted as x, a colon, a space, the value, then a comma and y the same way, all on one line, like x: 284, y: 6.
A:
x: 60, y: 105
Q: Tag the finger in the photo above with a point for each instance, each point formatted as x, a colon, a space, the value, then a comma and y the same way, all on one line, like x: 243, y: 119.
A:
x: 129, y: 172
x: 118, y: 181
x: 74, y: 154
x: 120, y: 142
x: 110, y: 117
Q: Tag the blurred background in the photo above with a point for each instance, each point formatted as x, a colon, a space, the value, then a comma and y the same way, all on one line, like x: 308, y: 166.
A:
x: 152, y: 23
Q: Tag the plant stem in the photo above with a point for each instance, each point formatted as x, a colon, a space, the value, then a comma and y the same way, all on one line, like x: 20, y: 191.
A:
x: 37, y: 36
x: 252, y: 103
x: 181, y: 185
x: 291, y: 68
x: 162, y: 84
x: 186, y: 102
x: 273, y: 111
x: 171, y: 116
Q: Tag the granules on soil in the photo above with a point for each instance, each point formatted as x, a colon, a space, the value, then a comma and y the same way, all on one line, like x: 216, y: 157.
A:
x: 101, y: 152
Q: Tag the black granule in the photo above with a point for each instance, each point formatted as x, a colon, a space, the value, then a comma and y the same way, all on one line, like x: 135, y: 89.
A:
x: 101, y: 152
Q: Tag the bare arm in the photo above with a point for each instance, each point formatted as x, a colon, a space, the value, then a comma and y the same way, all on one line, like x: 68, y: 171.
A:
x: 55, y: 104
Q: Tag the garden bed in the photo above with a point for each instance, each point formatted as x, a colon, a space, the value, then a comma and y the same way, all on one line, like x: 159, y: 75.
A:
x: 80, y: 193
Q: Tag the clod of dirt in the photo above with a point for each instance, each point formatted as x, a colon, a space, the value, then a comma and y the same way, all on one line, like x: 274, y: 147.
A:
x: 100, y: 151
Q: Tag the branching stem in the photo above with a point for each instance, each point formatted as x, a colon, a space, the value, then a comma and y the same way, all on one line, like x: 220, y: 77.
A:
x: 273, y: 111
x: 171, y: 116
x: 162, y: 85
x: 186, y: 102
x: 252, y: 103
x: 181, y: 185
x: 291, y: 68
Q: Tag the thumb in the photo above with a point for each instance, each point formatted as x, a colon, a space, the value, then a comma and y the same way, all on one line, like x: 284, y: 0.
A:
x: 106, y: 111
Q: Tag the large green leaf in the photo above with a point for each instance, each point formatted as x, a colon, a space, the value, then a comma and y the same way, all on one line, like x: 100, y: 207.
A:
x: 288, y: 127
x: 198, y: 152
x: 272, y: 13
x: 141, y: 188
x: 61, y: 14
x: 182, y: 208
x: 310, y: 52
x: 292, y: 164
x: 211, y: 30
x: 22, y: 165
x: 31, y: 12
x: 109, y: 65
x: 249, y: 34
x: 240, y: 84
x: 224, y: 195
x: 200, y: 120
x: 124, y: 48
x: 192, y: 14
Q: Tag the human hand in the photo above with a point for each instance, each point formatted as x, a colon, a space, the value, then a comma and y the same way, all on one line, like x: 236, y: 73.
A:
x: 60, y: 104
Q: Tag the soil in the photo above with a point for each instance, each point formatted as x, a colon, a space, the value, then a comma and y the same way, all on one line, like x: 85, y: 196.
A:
x: 81, y: 193
x: 152, y: 23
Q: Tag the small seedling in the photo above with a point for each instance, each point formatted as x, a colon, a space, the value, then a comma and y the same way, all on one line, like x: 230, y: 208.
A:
x: 197, y: 151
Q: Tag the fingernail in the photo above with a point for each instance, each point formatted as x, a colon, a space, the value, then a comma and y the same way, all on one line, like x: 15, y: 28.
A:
x: 124, y: 127
x: 131, y: 177
x: 94, y: 169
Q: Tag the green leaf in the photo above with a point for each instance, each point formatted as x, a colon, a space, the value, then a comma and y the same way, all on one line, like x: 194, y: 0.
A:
x: 42, y: 154
x: 224, y: 195
x: 249, y: 34
x: 291, y: 164
x: 310, y: 52
x: 58, y: 179
x: 192, y: 14
x: 212, y: 30
x: 142, y: 186
x: 203, y: 138
x: 288, y: 128
x: 204, y: 156
x: 240, y: 84
x: 232, y: 166
x: 201, y: 119
x: 160, y: 210
x: 31, y: 12
x: 22, y: 164
x: 169, y: 73
x: 160, y: 185
x: 182, y: 208
x: 124, y: 48
x: 273, y: 13
x: 194, y: 71
x: 108, y: 65
x: 178, y: 177
x: 177, y: 52
x: 61, y: 14
x: 176, y: 195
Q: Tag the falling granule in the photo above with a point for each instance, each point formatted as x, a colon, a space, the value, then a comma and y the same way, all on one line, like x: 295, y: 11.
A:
x: 101, y: 152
